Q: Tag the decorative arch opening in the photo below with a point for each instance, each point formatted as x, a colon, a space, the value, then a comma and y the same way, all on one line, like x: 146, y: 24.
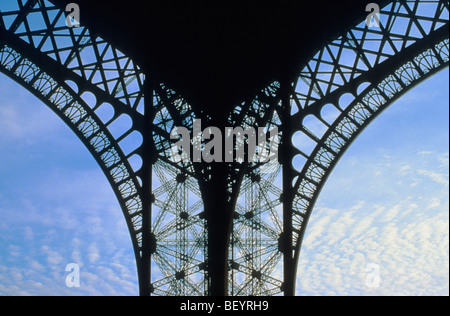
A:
x: 56, y: 207
x: 78, y: 113
x: 384, y: 209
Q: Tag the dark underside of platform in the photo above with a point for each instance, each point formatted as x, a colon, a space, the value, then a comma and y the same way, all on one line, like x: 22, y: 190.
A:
x: 218, y: 53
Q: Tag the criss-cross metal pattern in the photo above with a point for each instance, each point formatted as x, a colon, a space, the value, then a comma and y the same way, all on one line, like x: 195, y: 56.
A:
x: 101, y: 94
x: 352, y: 80
x: 178, y: 224
x: 92, y: 86
x: 255, y: 259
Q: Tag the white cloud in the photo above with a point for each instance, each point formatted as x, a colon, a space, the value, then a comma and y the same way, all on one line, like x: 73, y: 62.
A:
x: 435, y: 176
x: 444, y: 161
x: 53, y: 257
x: 407, y: 251
x: 28, y: 233
x: 435, y: 203
x: 93, y: 253
x: 36, y: 266
x: 66, y: 229
x: 385, y: 221
x: 76, y: 255
x: 14, y: 251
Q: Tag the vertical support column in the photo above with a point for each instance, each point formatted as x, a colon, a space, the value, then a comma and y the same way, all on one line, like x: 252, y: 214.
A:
x: 148, y: 243
x: 288, y: 192
x: 219, y: 221
x: 219, y: 217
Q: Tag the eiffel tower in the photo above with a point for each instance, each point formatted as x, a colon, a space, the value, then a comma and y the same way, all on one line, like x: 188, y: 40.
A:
x: 124, y: 75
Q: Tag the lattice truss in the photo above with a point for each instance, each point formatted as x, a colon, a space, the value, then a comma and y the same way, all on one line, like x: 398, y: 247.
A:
x: 92, y: 86
x: 352, y: 80
x: 255, y: 260
x: 337, y: 94
x: 178, y: 221
x: 99, y: 93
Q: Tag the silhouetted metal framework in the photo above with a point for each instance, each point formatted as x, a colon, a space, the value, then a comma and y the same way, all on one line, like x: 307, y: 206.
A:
x: 180, y: 249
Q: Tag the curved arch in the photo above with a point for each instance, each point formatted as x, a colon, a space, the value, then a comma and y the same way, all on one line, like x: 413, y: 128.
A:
x: 74, y: 96
x: 351, y: 123
x: 379, y: 181
x: 61, y: 99
x: 94, y: 89
x: 370, y: 69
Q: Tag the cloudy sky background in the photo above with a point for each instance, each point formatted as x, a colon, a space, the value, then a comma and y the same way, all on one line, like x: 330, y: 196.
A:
x: 385, y: 206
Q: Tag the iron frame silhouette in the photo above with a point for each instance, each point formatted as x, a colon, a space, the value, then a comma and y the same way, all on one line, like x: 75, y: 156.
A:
x: 180, y: 248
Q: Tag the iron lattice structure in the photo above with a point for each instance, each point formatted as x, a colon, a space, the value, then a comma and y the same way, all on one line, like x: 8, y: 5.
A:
x: 181, y: 249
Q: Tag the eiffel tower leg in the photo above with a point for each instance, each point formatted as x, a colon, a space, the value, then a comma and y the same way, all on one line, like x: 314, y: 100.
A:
x: 148, y: 244
x: 288, y: 193
x: 219, y: 222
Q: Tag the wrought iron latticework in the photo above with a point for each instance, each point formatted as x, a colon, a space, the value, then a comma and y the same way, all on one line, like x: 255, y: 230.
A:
x: 125, y: 118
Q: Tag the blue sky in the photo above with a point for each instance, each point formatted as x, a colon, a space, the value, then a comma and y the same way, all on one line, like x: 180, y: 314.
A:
x: 56, y: 207
x: 386, y: 204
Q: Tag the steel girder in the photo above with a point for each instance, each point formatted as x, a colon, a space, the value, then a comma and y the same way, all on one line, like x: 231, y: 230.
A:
x: 105, y: 98
x: 92, y: 86
x: 351, y: 81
